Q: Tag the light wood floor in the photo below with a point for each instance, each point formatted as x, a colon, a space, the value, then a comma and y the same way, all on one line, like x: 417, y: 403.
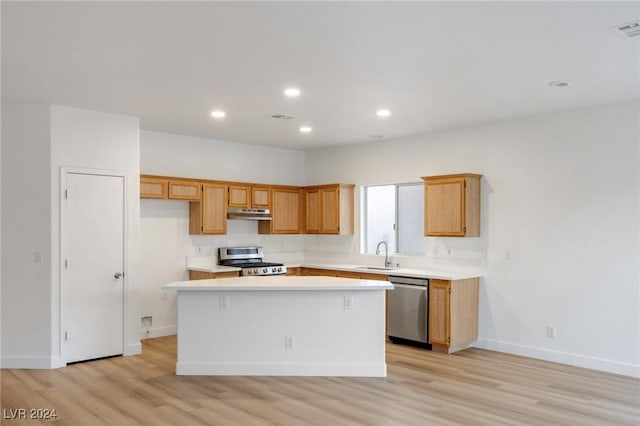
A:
x: 473, y: 387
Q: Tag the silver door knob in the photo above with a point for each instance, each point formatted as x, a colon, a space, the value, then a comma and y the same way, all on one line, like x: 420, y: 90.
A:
x: 117, y: 275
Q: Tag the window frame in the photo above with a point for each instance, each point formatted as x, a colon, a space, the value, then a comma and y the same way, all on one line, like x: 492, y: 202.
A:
x: 365, y: 213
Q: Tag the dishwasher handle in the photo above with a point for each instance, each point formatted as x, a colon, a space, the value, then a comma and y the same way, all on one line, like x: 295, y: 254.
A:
x: 423, y: 282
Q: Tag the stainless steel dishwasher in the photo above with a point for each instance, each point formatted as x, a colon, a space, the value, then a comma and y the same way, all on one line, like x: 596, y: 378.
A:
x: 408, y: 309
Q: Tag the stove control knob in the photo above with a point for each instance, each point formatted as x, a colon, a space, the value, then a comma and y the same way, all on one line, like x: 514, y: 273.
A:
x: 265, y: 270
x: 279, y: 269
x: 249, y: 272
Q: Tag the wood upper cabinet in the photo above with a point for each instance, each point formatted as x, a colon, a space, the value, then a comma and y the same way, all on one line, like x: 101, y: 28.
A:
x: 239, y: 195
x: 453, y: 314
x: 209, y: 216
x: 246, y: 196
x: 152, y: 187
x: 261, y: 197
x: 286, y: 212
x: 184, y: 190
x: 313, y: 211
x: 329, y: 209
x: 452, y: 205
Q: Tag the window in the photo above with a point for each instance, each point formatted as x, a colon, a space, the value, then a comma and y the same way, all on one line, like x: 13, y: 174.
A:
x: 393, y: 213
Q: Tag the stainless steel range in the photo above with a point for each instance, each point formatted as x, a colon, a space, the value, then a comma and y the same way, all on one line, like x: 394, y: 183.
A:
x: 250, y: 259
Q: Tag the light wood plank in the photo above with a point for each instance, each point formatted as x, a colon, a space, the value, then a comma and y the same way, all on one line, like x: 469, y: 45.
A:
x: 422, y: 388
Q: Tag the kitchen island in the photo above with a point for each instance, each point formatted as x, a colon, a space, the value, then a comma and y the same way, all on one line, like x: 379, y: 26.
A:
x: 281, y: 325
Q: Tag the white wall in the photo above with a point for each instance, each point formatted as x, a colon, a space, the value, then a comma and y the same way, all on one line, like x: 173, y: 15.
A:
x: 164, y: 226
x: 37, y: 141
x: 26, y: 284
x: 561, y: 193
x: 97, y: 140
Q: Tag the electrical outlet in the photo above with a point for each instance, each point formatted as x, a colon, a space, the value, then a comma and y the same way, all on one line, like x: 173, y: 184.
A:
x: 37, y: 256
x: 165, y: 296
x: 507, y: 255
x: 147, y: 321
x: 223, y: 302
x: 348, y: 302
x: 289, y: 342
x: 551, y: 330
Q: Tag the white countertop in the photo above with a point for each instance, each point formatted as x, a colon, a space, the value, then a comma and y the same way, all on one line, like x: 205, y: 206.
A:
x: 403, y: 272
x: 206, y: 265
x: 212, y: 268
x: 279, y: 282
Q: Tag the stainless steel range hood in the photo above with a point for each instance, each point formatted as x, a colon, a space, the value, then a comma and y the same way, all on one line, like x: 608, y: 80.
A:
x: 249, y: 214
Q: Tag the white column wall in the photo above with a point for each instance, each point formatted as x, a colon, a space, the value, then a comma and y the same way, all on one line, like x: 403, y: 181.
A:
x: 97, y: 140
x: 26, y: 212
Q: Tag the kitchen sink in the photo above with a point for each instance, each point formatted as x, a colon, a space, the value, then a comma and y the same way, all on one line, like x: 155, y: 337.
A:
x: 377, y: 268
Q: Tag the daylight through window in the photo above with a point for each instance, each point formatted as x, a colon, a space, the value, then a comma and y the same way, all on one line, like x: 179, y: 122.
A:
x: 393, y: 213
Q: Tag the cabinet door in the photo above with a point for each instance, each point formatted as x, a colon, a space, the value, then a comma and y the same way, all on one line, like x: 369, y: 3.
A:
x: 313, y: 214
x: 214, y: 209
x: 184, y: 190
x: 261, y: 197
x: 330, y: 211
x: 319, y: 272
x: 239, y: 196
x: 153, y: 187
x: 286, y: 211
x: 362, y: 275
x: 444, y: 205
x: 439, y: 312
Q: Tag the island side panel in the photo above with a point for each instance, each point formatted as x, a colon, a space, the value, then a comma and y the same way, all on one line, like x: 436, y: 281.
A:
x: 249, y: 333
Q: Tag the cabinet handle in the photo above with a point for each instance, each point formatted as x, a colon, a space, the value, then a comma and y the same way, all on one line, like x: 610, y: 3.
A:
x: 118, y: 275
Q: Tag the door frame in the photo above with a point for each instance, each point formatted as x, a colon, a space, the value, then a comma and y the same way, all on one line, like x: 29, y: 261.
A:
x: 64, y: 172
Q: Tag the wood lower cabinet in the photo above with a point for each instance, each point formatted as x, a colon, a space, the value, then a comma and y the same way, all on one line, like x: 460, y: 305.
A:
x: 452, y: 205
x: 362, y: 275
x: 453, y: 314
x: 184, y: 190
x: 294, y: 271
x: 198, y: 275
x: 209, y: 216
x: 343, y: 274
x: 315, y: 272
x: 286, y: 212
x: 151, y: 187
x: 329, y: 209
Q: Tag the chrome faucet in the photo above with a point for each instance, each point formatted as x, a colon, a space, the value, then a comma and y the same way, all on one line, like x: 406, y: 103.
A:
x: 387, y: 261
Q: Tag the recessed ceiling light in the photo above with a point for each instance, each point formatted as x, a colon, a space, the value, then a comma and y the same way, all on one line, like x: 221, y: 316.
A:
x: 218, y: 114
x: 383, y: 113
x: 560, y: 83
x: 305, y: 129
x: 292, y: 92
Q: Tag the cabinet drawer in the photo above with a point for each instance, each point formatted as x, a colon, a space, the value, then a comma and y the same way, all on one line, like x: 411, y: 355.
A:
x: 153, y: 188
x: 184, y: 190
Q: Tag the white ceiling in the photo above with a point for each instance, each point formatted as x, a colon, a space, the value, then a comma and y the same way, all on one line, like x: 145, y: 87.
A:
x: 435, y: 65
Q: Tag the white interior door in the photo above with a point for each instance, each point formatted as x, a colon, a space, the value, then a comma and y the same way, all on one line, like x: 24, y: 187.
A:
x: 93, y: 262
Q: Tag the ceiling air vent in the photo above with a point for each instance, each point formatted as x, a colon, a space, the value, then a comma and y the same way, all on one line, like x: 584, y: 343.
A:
x: 628, y: 30
x: 283, y: 116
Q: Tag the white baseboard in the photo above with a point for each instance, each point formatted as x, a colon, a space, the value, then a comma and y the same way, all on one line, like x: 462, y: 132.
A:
x: 157, y: 332
x: 255, y: 369
x: 133, y: 349
x: 615, y: 367
x: 30, y: 362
